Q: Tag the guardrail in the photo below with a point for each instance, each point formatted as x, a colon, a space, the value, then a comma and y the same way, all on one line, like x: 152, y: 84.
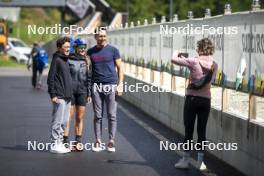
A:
x: 238, y: 39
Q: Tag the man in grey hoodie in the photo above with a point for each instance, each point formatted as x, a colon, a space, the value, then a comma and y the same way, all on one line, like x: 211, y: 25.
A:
x: 60, y: 90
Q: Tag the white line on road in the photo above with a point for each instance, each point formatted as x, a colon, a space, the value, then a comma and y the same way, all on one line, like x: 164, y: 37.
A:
x: 153, y: 132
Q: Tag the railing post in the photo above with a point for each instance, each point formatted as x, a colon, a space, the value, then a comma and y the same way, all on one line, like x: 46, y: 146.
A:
x: 161, y: 78
x: 175, y: 18
x: 142, y: 73
x: 255, y: 5
x: 207, y: 13
x: 152, y: 78
x: 190, y: 14
x: 173, y: 83
x: 129, y: 69
x: 228, y: 9
x: 136, y: 71
x: 252, y: 107
x: 225, y: 99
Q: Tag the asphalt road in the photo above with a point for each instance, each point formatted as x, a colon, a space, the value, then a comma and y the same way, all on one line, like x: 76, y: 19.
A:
x: 25, y: 115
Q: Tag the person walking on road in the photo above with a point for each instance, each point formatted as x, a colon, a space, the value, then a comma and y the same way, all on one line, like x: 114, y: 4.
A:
x: 60, y: 90
x: 80, y: 68
x: 39, y: 61
x: 197, y: 100
x: 106, y: 83
x: 32, y: 63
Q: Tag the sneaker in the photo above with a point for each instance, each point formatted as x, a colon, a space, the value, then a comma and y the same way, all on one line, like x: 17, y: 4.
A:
x: 38, y: 86
x: 97, y: 147
x: 111, y: 147
x: 183, y: 163
x: 59, y: 148
x: 78, y: 147
x: 66, y: 141
x: 67, y: 145
x: 202, y: 166
x: 64, y: 148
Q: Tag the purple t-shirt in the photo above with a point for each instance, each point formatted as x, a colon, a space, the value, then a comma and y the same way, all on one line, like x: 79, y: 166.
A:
x: 103, y: 64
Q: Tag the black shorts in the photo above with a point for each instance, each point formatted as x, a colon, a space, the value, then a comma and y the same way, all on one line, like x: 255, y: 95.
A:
x: 79, y: 99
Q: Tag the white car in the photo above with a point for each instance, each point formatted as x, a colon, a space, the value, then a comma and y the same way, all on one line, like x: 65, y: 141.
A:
x: 18, y: 50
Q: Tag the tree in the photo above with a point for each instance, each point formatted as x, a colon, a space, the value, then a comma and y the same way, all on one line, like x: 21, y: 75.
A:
x: 146, y: 9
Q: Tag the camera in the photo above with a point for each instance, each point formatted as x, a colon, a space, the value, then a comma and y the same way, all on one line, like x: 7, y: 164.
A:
x: 183, y: 54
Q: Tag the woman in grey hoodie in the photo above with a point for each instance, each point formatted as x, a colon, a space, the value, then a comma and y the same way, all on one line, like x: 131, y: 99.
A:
x: 80, y: 69
x: 197, y: 101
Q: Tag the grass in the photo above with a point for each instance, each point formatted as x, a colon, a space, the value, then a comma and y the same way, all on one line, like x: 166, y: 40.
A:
x: 9, y: 63
x: 40, y: 17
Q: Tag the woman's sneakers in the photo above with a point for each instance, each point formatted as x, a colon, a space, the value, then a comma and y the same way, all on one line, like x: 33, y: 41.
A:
x: 77, y: 147
x: 183, y: 163
x: 201, y: 166
x: 111, y: 147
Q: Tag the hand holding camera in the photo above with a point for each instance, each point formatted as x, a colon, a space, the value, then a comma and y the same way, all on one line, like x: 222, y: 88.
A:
x: 186, y: 55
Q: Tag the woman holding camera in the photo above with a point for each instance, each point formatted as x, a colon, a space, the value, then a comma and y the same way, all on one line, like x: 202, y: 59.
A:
x: 198, y: 97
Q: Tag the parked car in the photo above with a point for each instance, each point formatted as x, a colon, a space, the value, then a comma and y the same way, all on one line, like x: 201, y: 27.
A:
x: 18, y: 50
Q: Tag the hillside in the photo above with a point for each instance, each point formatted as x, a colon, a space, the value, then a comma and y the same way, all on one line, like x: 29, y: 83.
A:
x: 34, y: 16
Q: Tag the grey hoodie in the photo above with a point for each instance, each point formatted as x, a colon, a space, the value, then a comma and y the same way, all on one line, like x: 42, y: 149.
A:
x: 80, y: 74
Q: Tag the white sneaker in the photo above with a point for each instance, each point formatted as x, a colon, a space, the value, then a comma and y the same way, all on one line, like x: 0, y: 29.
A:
x: 202, y: 166
x: 111, y: 147
x: 97, y: 147
x: 183, y: 163
x: 64, y: 148
x: 59, y: 148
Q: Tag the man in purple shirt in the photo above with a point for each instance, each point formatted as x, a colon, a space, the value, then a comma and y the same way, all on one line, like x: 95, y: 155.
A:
x: 105, y: 79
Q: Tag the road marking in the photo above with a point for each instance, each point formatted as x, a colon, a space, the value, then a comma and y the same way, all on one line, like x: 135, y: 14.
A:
x: 153, y: 132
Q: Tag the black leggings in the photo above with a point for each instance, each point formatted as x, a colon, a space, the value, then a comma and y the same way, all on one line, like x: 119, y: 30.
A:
x: 35, y: 72
x: 193, y: 106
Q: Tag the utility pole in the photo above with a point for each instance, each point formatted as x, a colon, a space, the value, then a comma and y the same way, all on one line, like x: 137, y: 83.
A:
x: 127, y: 9
x: 171, y: 10
x: 62, y: 17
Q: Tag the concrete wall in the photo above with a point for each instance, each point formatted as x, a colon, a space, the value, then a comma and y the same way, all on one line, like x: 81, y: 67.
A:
x: 167, y: 108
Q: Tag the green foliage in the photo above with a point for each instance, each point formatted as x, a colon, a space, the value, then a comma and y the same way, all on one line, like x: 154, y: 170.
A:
x: 140, y: 62
x: 163, y: 66
x: 148, y: 65
x: 35, y: 16
x: 9, y: 63
x: 124, y: 59
x: 168, y: 67
x: 131, y: 60
x: 154, y: 64
x: 141, y: 9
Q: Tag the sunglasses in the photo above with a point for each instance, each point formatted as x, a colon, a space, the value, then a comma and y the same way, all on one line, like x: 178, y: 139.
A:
x: 82, y: 47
